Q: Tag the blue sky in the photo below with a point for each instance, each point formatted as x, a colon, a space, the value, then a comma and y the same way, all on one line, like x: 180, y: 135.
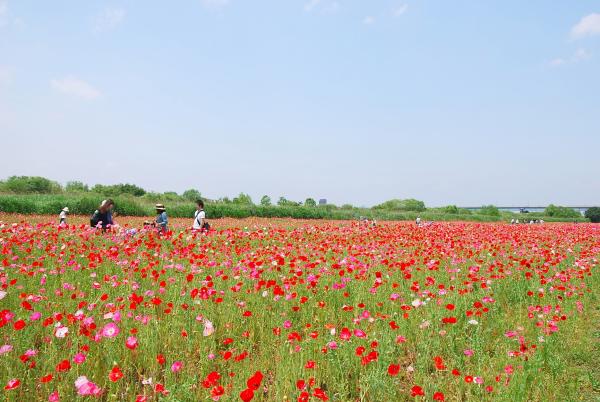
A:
x: 463, y: 102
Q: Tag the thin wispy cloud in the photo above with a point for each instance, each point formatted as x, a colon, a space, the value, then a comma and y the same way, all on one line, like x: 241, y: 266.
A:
x: 75, y: 87
x: 587, y: 26
x: 401, y: 10
x: 308, y: 7
x: 109, y: 19
x: 580, y: 54
x: 369, y: 20
x: 3, y: 12
x: 215, y: 3
x: 323, y: 7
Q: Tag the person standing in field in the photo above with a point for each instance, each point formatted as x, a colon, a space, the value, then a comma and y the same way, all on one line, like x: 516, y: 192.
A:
x: 162, y: 219
x: 63, y: 216
x: 200, y: 217
x: 103, y: 215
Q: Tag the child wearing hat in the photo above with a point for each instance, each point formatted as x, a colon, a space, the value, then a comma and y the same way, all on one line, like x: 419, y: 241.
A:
x: 161, y: 218
x: 63, y: 216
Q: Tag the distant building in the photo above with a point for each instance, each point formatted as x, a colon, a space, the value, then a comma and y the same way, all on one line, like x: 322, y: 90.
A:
x: 323, y: 201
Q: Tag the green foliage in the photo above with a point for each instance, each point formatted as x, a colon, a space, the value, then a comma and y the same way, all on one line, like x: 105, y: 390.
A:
x: 76, y: 187
x: 170, y: 196
x: 402, y: 205
x: 30, y: 185
x: 593, y: 214
x: 243, y: 199
x: 265, y: 201
x: 192, y: 195
x: 310, y: 202
x: 347, y: 206
x: 490, y: 210
x: 561, y: 212
x: 451, y: 209
x: 283, y: 202
x: 86, y: 203
x: 119, y: 189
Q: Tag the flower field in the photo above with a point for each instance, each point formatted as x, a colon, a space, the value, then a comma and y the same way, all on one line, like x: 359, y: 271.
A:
x: 285, y: 310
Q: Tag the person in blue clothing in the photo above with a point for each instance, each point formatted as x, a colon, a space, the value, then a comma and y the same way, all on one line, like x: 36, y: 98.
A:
x: 103, y: 215
x: 161, y: 218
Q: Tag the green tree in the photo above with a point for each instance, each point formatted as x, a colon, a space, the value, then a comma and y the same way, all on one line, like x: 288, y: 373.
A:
x: 265, y: 200
x: 119, y: 189
x: 451, y: 209
x: 243, y: 199
x: 76, y: 187
x: 490, y: 210
x: 310, y: 202
x: 409, y: 204
x: 561, y: 212
x: 171, y: 196
x: 593, y: 214
x: 31, y: 185
x: 192, y: 194
x: 283, y: 202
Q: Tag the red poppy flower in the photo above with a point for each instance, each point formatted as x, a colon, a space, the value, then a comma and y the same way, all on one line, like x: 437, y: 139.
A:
x: 115, y: 374
x: 320, y: 394
x: 247, y: 395
x: 64, y: 365
x: 254, y: 382
x: 416, y: 391
x: 393, y: 369
x: 12, y: 384
x: 19, y: 325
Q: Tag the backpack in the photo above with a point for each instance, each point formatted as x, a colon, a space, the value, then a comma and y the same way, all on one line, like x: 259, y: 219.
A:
x: 95, y: 218
x: 205, y: 225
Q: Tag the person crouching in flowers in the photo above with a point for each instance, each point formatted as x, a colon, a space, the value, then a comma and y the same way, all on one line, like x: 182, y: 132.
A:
x: 63, y: 216
x: 161, y: 218
x: 103, y: 215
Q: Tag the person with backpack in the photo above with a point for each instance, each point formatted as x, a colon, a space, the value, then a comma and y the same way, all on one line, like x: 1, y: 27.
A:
x: 103, y: 215
x: 200, y: 222
x: 63, y: 216
x: 162, y: 219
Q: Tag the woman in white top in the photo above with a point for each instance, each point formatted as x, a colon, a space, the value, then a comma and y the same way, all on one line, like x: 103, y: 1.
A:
x: 63, y: 215
x: 199, y: 216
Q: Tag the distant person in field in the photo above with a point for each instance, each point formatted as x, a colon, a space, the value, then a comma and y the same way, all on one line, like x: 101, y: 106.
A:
x: 200, y: 222
x: 63, y: 215
x: 418, y: 221
x: 103, y: 215
x: 162, y: 219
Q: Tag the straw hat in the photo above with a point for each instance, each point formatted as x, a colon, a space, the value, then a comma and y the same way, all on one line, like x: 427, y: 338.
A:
x: 66, y: 209
x: 160, y: 207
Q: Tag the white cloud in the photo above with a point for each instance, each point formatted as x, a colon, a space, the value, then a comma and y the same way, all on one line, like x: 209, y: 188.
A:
x: 580, y: 54
x: 308, y: 7
x: 369, y: 20
x: 214, y: 3
x: 588, y: 26
x: 324, y: 7
x: 398, y: 11
x: 109, y: 19
x: 75, y: 87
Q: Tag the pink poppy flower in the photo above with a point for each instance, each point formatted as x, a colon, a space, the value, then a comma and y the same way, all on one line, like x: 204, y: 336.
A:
x: 176, y: 366
x: 110, y: 330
